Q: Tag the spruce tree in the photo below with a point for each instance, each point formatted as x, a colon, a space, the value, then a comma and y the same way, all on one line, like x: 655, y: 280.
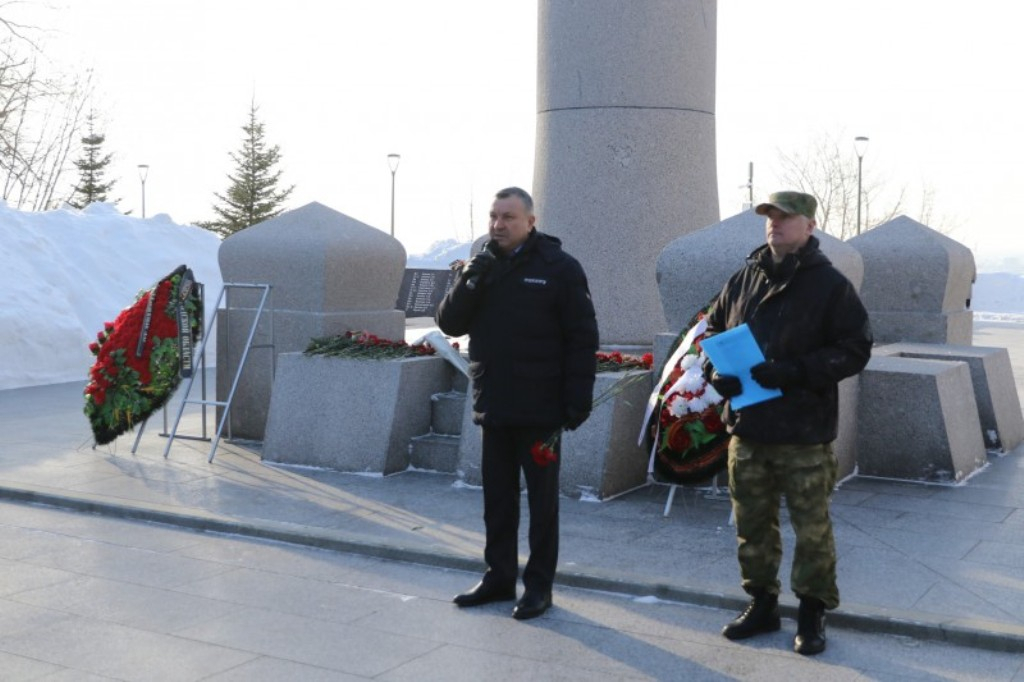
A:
x: 253, y: 195
x: 91, y: 168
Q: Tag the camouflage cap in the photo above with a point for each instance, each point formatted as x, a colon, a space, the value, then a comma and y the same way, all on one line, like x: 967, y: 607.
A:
x: 793, y: 203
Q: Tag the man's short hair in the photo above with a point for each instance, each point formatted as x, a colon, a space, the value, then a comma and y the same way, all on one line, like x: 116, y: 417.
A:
x: 522, y: 194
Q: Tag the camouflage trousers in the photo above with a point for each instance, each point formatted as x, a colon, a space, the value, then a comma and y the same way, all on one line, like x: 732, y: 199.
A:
x: 759, y: 476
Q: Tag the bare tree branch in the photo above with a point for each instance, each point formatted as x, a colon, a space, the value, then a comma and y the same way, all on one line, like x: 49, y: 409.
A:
x: 40, y: 121
x: 16, y: 29
x: 829, y: 172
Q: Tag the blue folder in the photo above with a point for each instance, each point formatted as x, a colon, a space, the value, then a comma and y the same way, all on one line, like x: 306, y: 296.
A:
x: 734, y: 352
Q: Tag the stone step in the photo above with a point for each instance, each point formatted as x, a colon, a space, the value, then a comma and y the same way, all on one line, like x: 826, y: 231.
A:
x: 434, y: 452
x: 446, y: 412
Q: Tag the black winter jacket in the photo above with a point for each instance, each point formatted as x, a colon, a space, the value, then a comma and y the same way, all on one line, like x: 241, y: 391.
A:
x: 805, y: 311
x: 532, y: 336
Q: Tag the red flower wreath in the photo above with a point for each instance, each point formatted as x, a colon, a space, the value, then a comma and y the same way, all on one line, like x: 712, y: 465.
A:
x: 688, y: 440
x: 129, y: 379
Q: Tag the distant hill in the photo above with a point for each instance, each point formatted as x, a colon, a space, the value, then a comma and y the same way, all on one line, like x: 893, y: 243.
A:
x: 1011, y: 261
x: 439, y: 256
x: 998, y: 292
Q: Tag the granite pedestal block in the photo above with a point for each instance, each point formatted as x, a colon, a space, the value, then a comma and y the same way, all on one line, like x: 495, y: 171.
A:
x: 955, y: 327
x: 279, y: 331
x: 446, y: 411
x: 439, y: 450
x: 470, y: 446
x: 918, y: 420
x: 601, y: 458
x: 917, y: 283
x: 845, y: 444
x: 994, y: 388
x: 434, y: 452
x: 348, y: 414
x: 328, y: 274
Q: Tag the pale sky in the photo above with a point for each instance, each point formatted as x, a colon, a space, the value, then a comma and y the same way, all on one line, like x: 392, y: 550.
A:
x: 450, y: 85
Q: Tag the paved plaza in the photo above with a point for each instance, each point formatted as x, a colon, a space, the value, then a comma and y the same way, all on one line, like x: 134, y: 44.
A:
x: 121, y: 565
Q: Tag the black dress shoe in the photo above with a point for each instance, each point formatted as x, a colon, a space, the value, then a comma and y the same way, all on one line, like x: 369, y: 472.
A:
x: 532, y: 604
x: 485, y: 593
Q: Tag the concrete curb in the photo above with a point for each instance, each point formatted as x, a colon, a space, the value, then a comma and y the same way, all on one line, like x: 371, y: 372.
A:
x: 979, y: 634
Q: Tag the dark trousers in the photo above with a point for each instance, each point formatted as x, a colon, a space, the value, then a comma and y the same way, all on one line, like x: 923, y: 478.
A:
x: 506, y: 452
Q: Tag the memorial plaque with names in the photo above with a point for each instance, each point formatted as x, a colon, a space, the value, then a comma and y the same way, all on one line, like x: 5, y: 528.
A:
x: 422, y: 291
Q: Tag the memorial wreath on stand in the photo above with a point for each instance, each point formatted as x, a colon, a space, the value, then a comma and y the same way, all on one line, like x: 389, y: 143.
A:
x: 142, y: 355
x: 683, y: 426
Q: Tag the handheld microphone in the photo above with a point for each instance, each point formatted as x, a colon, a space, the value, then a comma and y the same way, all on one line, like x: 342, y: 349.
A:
x: 474, y: 279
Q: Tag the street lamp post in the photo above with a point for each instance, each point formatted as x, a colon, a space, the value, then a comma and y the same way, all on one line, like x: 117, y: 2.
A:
x: 749, y: 186
x: 393, y: 160
x: 143, y: 173
x: 860, y: 145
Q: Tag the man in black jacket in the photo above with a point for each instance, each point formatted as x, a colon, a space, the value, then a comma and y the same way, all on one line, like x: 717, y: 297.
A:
x: 813, y: 330
x: 532, y: 331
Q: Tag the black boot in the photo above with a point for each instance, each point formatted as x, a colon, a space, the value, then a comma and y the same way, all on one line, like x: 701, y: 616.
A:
x: 810, y: 627
x: 761, y: 615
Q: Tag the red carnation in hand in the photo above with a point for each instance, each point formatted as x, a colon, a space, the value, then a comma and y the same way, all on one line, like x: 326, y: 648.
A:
x: 543, y: 455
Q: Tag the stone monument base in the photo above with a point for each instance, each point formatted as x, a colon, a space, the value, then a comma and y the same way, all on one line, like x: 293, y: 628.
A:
x: 350, y: 414
x: 995, y: 391
x: 279, y: 330
x: 948, y: 327
x: 918, y: 420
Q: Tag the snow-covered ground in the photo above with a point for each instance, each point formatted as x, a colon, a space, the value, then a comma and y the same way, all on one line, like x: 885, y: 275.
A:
x: 66, y: 272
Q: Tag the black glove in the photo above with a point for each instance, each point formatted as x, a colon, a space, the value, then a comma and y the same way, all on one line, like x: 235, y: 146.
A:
x: 773, y: 374
x: 575, y: 418
x: 478, y: 266
x: 727, y: 385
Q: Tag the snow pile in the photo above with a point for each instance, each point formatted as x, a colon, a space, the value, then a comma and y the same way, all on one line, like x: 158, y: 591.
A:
x: 66, y: 272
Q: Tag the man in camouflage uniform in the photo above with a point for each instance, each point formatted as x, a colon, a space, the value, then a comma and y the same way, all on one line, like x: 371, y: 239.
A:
x: 813, y: 330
